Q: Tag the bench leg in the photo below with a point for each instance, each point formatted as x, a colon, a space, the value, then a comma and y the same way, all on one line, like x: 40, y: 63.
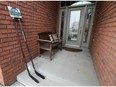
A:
x: 60, y: 47
x: 39, y: 50
x: 50, y: 54
x: 50, y: 51
x: 39, y: 54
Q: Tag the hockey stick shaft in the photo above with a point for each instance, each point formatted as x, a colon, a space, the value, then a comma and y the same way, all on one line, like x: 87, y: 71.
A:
x: 24, y: 37
x: 23, y: 52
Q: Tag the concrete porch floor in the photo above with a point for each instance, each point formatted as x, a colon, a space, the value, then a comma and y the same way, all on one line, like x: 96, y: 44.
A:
x: 66, y: 69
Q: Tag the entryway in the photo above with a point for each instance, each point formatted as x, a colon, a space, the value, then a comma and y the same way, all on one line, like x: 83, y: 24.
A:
x: 75, y: 25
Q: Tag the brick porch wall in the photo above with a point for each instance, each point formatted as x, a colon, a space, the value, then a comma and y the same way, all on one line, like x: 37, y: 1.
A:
x: 37, y: 17
x: 103, y: 42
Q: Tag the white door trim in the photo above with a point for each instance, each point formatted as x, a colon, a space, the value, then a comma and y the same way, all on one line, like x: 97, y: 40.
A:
x: 65, y: 22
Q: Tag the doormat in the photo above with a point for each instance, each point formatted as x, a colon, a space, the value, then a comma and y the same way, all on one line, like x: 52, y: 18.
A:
x: 72, y: 49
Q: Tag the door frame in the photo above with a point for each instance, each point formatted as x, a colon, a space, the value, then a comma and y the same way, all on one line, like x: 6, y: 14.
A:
x: 65, y: 21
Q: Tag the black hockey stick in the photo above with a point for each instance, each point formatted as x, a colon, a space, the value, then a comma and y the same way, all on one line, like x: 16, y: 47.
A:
x: 24, y: 37
x: 23, y: 52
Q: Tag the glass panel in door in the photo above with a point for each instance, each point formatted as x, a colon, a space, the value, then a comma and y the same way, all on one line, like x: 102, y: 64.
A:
x: 88, y: 22
x: 73, y: 27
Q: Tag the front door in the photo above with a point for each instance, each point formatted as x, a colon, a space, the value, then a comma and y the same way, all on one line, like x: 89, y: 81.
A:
x: 74, y: 28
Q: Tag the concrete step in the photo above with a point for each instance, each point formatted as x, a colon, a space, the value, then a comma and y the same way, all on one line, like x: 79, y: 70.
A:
x: 51, y: 80
x: 66, y: 69
x: 24, y: 79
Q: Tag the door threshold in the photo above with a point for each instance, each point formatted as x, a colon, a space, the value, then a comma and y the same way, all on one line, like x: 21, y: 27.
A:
x: 72, y: 46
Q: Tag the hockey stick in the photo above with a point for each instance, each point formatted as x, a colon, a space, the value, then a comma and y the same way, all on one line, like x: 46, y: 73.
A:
x: 23, y: 52
x: 24, y: 37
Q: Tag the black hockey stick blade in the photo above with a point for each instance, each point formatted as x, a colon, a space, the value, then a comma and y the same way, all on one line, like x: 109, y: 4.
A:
x: 39, y: 75
x: 34, y: 78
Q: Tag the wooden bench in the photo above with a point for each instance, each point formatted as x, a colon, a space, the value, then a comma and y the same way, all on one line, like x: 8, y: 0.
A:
x: 45, y: 43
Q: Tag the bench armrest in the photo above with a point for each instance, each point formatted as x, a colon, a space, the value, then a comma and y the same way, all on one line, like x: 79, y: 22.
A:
x: 42, y: 40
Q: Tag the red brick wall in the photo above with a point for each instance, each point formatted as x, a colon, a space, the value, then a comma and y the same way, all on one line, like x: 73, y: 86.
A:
x: 103, y: 42
x: 37, y: 17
